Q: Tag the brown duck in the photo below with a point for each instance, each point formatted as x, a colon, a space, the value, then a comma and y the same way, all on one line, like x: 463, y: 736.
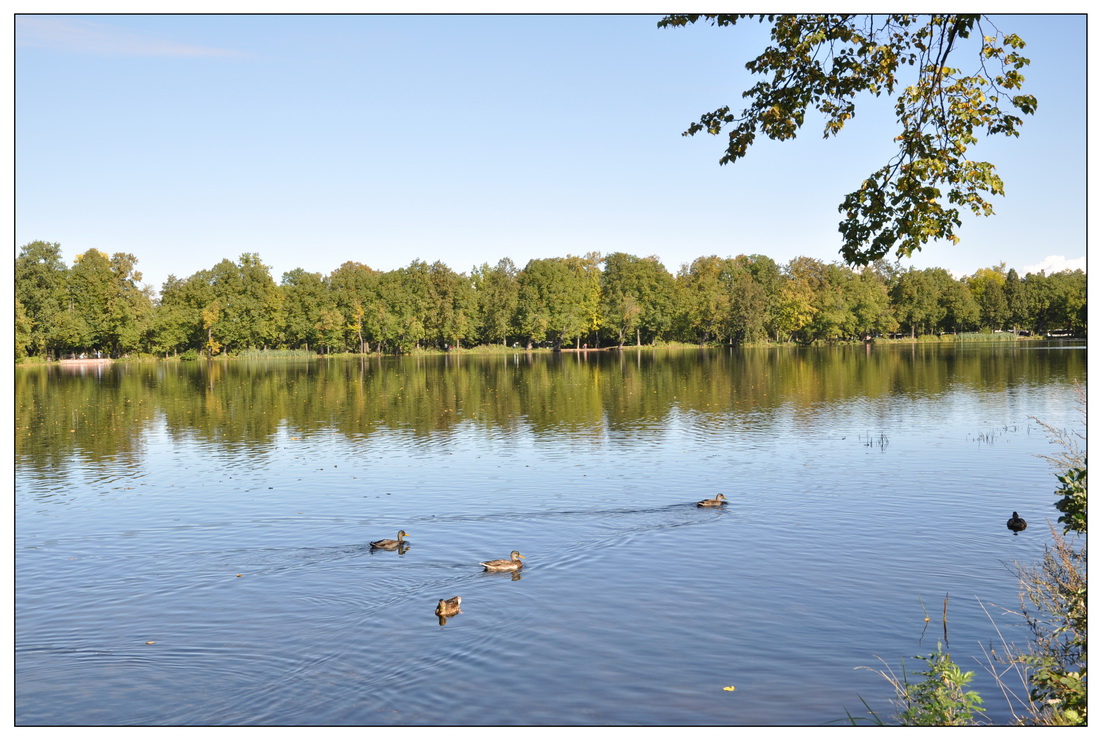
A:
x: 449, y: 607
x: 391, y: 544
x: 718, y: 501
x: 1016, y: 523
x: 512, y: 563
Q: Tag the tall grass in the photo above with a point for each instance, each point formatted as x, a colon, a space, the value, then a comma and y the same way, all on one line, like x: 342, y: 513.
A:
x: 271, y: 354
x: 986, y: 337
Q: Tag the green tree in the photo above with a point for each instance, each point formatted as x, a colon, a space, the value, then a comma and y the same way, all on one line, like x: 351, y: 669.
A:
x: 70, y: 333
x: 451, y: 305
x: 657, y: 288
x: 870, y: 305
x: 1069, y: 299
x: 620, y: 300
x: 636, y: 297
x: 106, y: 295
x: 769, y: 277
x: 834, y: 318
x: 305, y: 297
x: 914, y: 296
x: 1039, y: 293
x: 1016, y: 301
x: 41, y: 287
x: 178, y: 316
x: 556, y: 300
x: 90, y: 284
x: 960, y: 310
x: 497, y: 292
x: 130, y: 306
x: 748, y: 302
x: 987, y: 288
x: 212, y: 314
x: 414, y: 303
x: 388, y: 318
x: 828, y: 61
x: 809, y: 306
x: 22, y: 331
x: 703, y: 301
x: 355, y: 291
x: 586, y: 273
x: 330, y: 329
x: 1056, y: 301
x: 248, y: 311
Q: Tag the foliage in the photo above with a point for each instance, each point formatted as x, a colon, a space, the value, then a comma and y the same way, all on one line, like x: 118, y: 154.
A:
x: 619, y: 299
x: 247, y: 305
x: 41, y: 288
x: 1054, y: 601
x: 305, y: 298
x: 1072, y: 499
x: 988, y: 288
x: 1055, y: 594
x: 254, y: 354
x: 941, y: 698
x: 22, y: 331
x: 557, y: 299
x: 930, y: 300
x: 828, y: 61
x: 497, y: 294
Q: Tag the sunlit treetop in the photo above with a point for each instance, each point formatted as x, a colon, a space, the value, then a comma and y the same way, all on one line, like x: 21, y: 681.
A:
x: 825, y: 61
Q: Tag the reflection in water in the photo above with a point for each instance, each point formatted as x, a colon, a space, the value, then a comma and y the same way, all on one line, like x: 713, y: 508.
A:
x: 63, y: 420
x: 211, y: 561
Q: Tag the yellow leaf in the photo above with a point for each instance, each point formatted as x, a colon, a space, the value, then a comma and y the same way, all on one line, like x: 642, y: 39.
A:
x: 728, y: 689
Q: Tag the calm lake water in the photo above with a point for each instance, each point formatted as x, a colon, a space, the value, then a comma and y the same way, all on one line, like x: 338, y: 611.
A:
x: 192, y: 538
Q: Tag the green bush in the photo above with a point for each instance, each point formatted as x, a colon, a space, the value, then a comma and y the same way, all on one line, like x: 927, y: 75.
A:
x: 1072, y: 501
x: 941, y: 698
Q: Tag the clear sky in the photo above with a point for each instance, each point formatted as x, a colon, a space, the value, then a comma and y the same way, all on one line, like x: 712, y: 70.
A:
x: 380, y: 139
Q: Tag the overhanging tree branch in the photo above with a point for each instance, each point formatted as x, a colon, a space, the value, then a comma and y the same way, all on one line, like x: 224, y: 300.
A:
x: 825, y: 61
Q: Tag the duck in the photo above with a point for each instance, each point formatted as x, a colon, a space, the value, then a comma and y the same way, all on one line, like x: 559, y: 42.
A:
x: 391, y: 544
x: 449, y: 607
x: 1016, y: 523
x: 718, y: 501
x: 512, y: 563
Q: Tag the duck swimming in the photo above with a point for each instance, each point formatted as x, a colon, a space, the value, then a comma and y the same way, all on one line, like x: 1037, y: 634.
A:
x: 449, y: 607
x: 391, y: 544
x: 1016, y: 523
x: 718, y: 501
x: 512, y: 563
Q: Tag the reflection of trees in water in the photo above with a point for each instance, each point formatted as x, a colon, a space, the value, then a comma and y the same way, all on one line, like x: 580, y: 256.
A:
x: 93, y: 416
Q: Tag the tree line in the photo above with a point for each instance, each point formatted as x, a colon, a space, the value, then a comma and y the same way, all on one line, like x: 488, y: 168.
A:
x: 99, y: 304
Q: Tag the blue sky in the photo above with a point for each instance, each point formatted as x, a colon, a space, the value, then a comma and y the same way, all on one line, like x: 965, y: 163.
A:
x: 315, y: 140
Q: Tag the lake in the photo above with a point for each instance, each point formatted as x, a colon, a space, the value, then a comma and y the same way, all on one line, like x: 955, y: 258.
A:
x: 192, y: 538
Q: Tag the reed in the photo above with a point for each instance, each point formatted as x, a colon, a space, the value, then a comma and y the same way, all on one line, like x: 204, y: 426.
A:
x: 986, y: 337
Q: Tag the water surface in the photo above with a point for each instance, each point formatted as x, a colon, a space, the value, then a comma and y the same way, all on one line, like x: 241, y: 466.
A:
x: 191, y: 538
